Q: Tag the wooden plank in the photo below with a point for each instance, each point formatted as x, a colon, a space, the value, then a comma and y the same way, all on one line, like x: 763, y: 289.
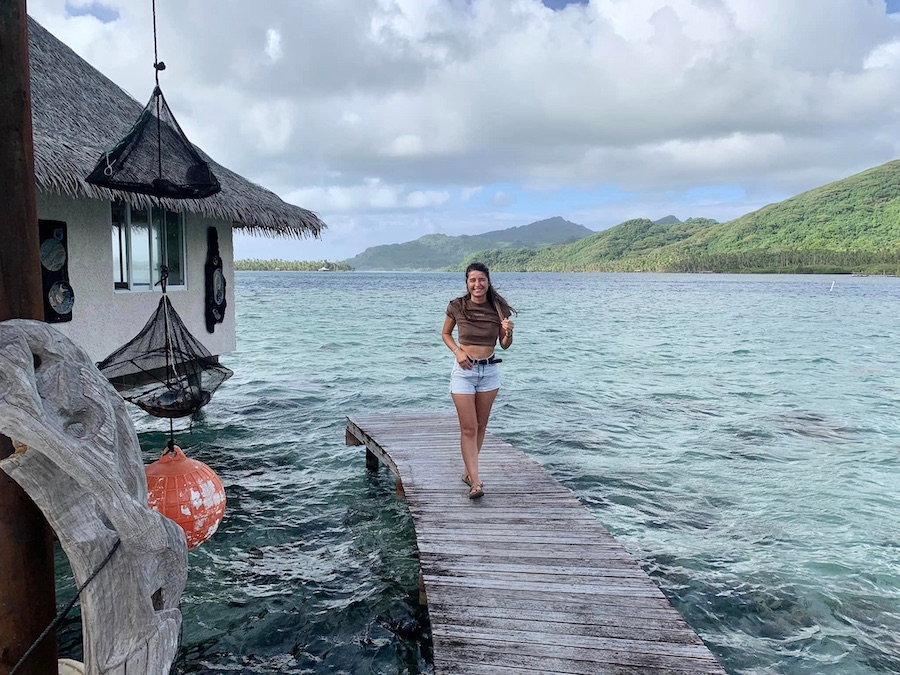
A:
x: 524, y: 580
x: 468, y: 656
x: 540, y: 629
x: 579, y: 606
x: 555, y: 619
x: 521, y: 636
x: 512, y: 650
x: 466, y: 567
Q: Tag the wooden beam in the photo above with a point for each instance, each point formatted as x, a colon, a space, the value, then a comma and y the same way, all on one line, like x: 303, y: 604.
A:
x: 27, y: 591
x: 20, y: 266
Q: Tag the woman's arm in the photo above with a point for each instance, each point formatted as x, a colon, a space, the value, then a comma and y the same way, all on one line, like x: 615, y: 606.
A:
x: 447, y: 336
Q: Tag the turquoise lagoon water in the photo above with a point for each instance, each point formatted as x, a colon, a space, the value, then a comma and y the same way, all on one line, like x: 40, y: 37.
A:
x: 738, y: 434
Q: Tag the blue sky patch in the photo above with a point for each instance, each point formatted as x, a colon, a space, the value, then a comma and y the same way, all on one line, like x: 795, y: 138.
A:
x: 893, y: 6
x: 561, y: 4
x: 95, y: 9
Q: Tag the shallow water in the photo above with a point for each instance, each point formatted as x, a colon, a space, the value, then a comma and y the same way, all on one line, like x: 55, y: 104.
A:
x: 738, y: 434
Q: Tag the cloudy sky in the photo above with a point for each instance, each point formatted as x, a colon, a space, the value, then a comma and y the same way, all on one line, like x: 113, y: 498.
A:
x: 397, y: 118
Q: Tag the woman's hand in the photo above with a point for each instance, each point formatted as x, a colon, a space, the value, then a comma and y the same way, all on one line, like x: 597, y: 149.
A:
x: 506, y: 333
x: 462, y: 359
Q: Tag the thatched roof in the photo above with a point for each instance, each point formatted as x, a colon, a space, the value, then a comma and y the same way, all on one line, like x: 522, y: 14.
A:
x: 79, y: 114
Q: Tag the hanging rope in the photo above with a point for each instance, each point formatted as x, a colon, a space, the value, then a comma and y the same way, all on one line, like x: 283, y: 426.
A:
x: 68, y: 608
x: 171, y: 373
x: 164, y: 270
x: 156, y: 62
x: 157, y: 66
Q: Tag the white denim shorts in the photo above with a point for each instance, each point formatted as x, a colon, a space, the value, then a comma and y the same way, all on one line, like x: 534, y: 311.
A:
x: 480, y: 378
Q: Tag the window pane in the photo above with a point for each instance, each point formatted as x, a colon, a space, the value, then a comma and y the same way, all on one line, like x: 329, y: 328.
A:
x: 175, y: 248
x: 156, y: 242
x: 140, y: 248
x: 119, y: 246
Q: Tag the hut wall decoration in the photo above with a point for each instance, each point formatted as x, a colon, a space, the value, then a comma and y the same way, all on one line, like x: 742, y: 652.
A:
x: 215, y: 282
x: 59, y: 298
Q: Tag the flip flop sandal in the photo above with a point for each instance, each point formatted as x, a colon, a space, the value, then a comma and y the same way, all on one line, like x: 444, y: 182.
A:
x: 476, y: 492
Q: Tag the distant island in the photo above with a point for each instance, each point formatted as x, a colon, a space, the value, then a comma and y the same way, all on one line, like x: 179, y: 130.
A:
x: 257, y: 265
x: 849, y: 226
x: 441, y: 251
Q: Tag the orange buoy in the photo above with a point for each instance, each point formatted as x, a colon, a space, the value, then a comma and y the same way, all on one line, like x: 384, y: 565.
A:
x: 188, y: 492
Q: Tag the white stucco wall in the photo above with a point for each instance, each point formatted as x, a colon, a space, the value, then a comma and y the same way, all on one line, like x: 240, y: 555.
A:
x: 103, y: 319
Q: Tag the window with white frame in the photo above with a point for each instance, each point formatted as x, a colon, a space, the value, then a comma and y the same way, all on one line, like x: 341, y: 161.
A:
x: 143, y: 240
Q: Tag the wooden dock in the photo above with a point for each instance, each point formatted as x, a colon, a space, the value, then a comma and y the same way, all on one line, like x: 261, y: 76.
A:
x: 524, y: 580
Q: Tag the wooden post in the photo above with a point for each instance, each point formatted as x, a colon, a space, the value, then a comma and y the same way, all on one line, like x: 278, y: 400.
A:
x: 423, y: 596
x: 372, y: 463
x: 27, y: 591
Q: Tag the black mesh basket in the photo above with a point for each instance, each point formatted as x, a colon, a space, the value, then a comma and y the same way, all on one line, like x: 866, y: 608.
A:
x: 156, y: 158
x: 164, y: 369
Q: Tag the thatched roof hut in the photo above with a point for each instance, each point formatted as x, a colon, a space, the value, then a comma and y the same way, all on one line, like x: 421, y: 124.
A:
x: 79, y: 114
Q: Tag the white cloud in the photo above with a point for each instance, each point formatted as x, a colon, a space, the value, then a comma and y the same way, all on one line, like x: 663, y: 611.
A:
x: 273, y: 45
x: 406, y: 145
x: 359, y: 108
x: 502, y: 199
x: 372, y: 194
x: 469, y: 192
x: 426, y: 198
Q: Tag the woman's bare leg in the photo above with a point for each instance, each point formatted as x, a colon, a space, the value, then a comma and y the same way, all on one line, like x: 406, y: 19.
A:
x: 468, y: 433
x: 484, y: 400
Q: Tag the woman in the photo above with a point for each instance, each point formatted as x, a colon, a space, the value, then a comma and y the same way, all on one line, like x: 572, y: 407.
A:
x: 482, y: 318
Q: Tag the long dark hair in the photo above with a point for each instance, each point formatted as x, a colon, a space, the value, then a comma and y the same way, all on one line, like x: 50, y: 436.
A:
x: 497, y: 301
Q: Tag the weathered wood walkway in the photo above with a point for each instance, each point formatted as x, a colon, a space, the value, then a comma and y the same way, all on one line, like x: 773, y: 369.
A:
x: 524, y: 580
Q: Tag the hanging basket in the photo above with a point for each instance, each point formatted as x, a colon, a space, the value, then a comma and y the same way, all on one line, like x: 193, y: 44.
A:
x: 156, y: 158
x: 164, y: 369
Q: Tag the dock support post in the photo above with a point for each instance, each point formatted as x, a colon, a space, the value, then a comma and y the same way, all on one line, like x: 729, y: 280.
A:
x: 423, y: 598
x: 372, y: 461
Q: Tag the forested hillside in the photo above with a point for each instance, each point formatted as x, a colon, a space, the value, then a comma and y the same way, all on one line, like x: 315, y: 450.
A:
x: 849, y: 225
x: 633, y: 237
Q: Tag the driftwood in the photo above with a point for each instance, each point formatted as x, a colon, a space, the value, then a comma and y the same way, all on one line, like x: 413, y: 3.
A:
x: 79, y: 459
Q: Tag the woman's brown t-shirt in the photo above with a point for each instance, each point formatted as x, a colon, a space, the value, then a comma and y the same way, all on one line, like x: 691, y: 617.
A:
x: 480, y: 327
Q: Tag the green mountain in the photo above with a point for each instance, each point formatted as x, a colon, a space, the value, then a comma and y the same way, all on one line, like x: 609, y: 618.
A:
x: 628, y: 239
x: 849, y: 225
x: 439, y: 251
x: 668, y: 220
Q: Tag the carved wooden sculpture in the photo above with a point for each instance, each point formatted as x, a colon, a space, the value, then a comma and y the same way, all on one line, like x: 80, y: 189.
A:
x: 79, y: 459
